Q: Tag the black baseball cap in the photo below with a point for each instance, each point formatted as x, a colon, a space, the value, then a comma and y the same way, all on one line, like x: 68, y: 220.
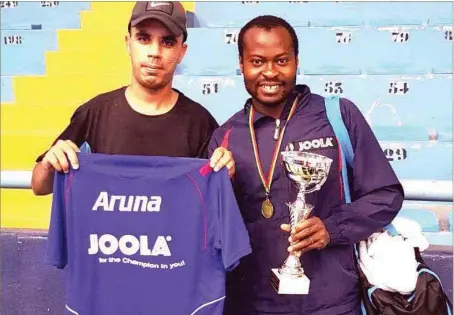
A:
x: 171, y: 14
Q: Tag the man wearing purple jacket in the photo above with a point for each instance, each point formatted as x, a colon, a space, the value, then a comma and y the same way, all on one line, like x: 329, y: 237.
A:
x: 280, y: 116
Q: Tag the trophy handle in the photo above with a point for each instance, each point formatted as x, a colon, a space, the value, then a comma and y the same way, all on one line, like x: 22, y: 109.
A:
x: 321, y: 176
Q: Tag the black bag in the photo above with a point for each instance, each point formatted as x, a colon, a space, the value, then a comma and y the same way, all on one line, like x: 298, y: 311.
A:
x: 428, y: 298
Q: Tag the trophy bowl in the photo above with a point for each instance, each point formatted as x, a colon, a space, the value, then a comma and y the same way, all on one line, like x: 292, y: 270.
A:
x: 307, y: 169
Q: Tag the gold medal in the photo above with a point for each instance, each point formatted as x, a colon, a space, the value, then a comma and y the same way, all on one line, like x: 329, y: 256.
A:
x: 267, y: 208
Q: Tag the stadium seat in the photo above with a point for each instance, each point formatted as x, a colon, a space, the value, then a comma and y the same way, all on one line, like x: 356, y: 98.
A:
x: 34, y: 90
x: 333, y: 52
x: 28, y: 39
x: 340, y: 85
x: 23, y: 50
x: 403, y: 106
x: 297, y: 13
x: 211, y: 52
x: 23, y: 157
x: 236, y: 14
x: 42, y: 15
x: 222, y: 96
x: 398, y: 107
x: 36, y: 119
x: 426, y: 218
x: 333, y: 13
x: 398, y: 50
x: 398, y: 13
x: 440, y: 47
x: 420, y: 160
x: 59, y: 63
x: 304, y: 13
x: 439, y: 238
x: 18, y: 61
x: 7, y: 95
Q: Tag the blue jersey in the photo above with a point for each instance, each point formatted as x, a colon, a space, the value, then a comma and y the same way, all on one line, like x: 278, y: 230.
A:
x: 145, y: 235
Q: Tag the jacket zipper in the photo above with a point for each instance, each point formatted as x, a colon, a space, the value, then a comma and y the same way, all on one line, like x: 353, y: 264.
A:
x: 277, y: 129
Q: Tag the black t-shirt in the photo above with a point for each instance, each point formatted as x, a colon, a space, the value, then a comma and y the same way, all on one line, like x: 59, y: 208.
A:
x: 110, y: 126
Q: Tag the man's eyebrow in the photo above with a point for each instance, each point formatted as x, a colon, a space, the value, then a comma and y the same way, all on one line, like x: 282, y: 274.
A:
x: 142, y: 33
x: 285, y: 54
x: 256, y: 55
x: 165, y: 37
x: 170, y: 37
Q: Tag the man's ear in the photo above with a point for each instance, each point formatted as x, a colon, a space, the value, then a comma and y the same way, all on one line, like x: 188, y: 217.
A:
x: 128, y: 43
x: 183, y: 52
x: 240, y: 59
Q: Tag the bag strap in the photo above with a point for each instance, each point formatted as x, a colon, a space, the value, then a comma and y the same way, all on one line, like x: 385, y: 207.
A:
x: 333, y: 111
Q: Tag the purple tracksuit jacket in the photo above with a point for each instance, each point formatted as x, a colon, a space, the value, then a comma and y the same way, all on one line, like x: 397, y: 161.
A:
x: 376, y: 193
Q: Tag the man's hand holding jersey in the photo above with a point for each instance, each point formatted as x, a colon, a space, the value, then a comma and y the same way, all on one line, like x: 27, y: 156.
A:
x: 222, y: 157
x: 61, y: 155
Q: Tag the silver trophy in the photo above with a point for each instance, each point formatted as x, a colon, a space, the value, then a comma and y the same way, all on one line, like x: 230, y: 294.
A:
x: 309, y: 171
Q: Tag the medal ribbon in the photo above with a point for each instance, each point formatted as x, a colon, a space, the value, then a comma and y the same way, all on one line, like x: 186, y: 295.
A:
x: 267, y: 182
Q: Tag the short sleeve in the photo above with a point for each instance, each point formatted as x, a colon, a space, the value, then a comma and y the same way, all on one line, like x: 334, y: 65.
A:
x: 233, y: 238
x: 76, y: 131
x: 206, y: 134
x: 56, y: 251
x: 213, y: 144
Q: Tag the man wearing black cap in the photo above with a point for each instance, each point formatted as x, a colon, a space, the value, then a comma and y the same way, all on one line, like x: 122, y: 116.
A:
x: 148, y: 117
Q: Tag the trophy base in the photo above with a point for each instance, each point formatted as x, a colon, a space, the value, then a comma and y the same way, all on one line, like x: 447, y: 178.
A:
x: 289, y: 285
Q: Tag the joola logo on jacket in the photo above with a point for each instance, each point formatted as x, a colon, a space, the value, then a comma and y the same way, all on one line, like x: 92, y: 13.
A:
x: 314, y: 144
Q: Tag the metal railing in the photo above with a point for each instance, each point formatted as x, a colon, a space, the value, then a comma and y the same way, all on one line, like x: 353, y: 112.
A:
x: 423, y: 190
x: 16, y: 179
